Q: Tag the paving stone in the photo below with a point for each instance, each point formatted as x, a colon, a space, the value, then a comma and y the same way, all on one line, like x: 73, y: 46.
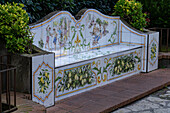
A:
x: 163, y: 110
x: 168, y: 104
x: 156, y: 99
x: 165, y: 96
x: 162, y: 96
x: 122, y: 110
x: 163, y: 104
x: 168, y: 95
x: 143, y: 105
x: 145, y: 112
x: 168, y: 92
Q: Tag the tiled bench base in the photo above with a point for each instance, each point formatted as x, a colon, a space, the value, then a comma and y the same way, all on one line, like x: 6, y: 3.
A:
x: 79, y: 77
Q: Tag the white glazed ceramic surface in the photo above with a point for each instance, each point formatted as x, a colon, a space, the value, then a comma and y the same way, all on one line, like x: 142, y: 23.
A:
x: 43, y: 79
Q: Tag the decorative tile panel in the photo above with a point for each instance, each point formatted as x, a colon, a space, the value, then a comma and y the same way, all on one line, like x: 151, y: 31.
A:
x: 43, y: 79
x: 74, y: 78
x: 122, y: 64
x: 153, y: 51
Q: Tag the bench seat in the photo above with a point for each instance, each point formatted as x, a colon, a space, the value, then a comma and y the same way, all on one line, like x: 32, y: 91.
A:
x: 92, y: 54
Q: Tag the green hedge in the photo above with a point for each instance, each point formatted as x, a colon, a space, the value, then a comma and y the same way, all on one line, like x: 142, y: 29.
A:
x: 37, y: 9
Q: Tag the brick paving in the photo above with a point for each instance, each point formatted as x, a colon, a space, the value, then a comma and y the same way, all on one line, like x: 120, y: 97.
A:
x: 107, y: 98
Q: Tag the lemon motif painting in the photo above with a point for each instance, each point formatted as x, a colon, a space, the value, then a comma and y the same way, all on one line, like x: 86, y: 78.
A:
x: 43, y: 80
x: 153, y: 51
x: 76, y: 78
x: 124, y: 64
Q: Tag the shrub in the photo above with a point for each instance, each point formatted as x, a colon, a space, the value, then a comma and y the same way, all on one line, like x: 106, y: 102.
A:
x: 14, y: 28
x: 131, y: 11
x: 37, y: 9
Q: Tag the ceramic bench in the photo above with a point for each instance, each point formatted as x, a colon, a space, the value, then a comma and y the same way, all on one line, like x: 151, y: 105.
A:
x: 90, y: 51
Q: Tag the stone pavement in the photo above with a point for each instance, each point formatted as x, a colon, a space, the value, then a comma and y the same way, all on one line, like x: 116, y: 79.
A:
x: 107, y: 98
x: 158, y: 102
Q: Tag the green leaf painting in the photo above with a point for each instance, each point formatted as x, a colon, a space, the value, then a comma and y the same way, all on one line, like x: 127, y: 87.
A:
x: 112, y: 38
x: 41, y: 43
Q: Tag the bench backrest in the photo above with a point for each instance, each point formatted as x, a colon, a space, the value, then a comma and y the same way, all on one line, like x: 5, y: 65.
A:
x: 65, y: 35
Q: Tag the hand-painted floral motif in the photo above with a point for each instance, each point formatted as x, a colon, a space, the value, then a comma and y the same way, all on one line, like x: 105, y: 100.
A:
x: 112, y: 37
x: 43, y: 80
x: 76, y: 78
x: 153, y: 51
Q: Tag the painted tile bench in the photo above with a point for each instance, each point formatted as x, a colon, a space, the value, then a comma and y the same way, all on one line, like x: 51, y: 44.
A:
x: 89, y: 52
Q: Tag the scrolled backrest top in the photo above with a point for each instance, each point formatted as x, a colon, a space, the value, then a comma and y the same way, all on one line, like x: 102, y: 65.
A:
x: 64, y: 35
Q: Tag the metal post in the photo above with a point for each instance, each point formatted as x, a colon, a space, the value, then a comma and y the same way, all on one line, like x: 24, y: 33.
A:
x: 167, y: 40
x: 9, y: 89
x: 7, y: 99
x: 8, y: 59
x: 161, y: 42
x: 14, y: 87
x: 0, y: 59
x: 0, y: 94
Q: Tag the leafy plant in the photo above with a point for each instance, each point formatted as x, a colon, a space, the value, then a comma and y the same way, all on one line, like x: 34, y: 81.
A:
x: 131, y: 11
x: 14, y: 28
x: 37, y: 9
